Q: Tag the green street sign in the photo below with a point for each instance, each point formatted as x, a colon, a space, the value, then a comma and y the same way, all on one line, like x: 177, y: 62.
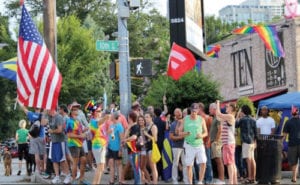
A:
x: 107, y: 45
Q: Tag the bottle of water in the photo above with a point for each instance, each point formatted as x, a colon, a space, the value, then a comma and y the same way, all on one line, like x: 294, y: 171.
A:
x: 112, y: 133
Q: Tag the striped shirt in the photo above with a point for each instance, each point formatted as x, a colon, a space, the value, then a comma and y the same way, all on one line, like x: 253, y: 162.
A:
x: 227, y: 133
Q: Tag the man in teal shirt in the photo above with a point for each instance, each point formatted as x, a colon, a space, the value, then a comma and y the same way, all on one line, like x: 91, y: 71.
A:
x: 194, y: 130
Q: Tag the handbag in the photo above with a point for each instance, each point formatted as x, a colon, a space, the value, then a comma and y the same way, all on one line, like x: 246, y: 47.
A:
x: 155, y: 156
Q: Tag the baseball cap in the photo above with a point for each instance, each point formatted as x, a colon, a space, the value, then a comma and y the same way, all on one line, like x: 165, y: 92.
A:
x: 194, y: 106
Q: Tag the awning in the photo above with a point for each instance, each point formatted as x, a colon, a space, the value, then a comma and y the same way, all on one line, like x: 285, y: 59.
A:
x: 258, y: 97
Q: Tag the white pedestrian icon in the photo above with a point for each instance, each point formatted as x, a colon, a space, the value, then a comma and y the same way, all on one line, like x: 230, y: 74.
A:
x: 139, y: 68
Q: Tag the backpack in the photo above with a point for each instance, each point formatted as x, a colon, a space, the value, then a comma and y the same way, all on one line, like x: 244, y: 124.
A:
x: 34, y: 130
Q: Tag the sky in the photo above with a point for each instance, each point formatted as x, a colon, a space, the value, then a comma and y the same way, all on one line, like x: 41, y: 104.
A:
x: 211, y: 7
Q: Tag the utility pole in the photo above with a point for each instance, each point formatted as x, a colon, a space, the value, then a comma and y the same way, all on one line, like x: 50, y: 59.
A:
x: 49, y: 17
x: 124, y: 82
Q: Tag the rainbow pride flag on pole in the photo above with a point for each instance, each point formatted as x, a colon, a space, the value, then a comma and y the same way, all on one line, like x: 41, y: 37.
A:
x: 213, y: 50
x: 270, y: 38
x: 244, y: 30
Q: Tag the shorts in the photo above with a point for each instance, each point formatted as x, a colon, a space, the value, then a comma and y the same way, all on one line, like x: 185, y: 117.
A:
x: 228, y: 154
x: 76, y: 152
x: 113, y: 154
x: 37, y: 146
x: 293, y: 154
x: 216, y: 149
x: 85, y: 147
x: 99, y: 155
x: 22, y: 150
x: 143, y: 152
x: 89, y: 145
x: 248, y: 150
x: 194, y: 152
x: 58, y: 152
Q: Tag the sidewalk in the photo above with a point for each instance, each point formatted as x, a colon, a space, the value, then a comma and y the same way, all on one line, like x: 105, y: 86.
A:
x: 286, y: 179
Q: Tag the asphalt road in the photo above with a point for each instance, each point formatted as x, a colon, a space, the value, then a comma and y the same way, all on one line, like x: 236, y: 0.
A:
x: 24, y: 179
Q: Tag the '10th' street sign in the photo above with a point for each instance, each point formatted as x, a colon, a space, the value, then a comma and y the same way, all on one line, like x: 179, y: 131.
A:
x: 107, y: 45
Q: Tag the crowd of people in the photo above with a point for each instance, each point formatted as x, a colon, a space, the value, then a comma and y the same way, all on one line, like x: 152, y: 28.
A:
x: 106, y: 141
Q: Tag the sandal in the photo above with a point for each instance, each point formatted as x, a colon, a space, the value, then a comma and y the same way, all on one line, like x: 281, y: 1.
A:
x: 293, y: 181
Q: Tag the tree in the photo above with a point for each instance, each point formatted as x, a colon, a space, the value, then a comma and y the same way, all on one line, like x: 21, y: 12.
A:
x: 79, y: 8
x: 8, y: 116
x: 246, y: 101
x: 192, y: 87
x: 84, y: 70
x: 217, y: 30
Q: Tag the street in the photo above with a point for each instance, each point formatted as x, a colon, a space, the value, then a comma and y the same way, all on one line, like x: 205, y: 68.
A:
x: 24, y: 179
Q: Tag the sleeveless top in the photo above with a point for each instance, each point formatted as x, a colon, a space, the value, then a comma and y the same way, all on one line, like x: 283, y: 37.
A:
x: 149, y: 141
x: 194, y: 127
x: 227, y: 134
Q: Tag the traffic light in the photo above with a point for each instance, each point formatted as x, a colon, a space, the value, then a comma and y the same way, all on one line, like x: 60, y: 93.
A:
x: 114, y: 70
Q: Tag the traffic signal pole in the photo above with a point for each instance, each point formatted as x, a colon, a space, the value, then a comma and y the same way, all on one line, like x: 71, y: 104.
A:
x: 124, y: 82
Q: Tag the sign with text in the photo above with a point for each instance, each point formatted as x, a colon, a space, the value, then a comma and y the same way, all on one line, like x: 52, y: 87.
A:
x: 107, y: 45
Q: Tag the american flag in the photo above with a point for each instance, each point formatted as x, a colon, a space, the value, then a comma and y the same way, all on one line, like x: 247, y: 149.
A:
x: 38, y: 78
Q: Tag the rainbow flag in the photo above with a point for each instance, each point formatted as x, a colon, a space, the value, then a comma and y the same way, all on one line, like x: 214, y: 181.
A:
x: 213, y: 50
x: 244, y: 30
x: 8, y: 69
x: 89, y: 105
x: 270, y: 38
x: 132, y: 146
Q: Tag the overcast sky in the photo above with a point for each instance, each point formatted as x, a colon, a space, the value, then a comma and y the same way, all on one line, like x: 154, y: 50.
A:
x: 211, y: 7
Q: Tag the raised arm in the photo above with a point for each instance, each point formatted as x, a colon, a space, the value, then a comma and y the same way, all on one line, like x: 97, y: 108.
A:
x: 165, y: 111
x: 226, y: 117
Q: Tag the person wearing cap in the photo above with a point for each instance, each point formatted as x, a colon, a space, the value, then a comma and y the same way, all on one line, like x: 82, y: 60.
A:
x: 292, y: 129
x: 265, y: 124
x: 228, y: 139
x: 194, y: 130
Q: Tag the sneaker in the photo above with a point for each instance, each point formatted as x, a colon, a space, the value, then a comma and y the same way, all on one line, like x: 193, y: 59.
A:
x: 56, y: 180
x: 62, y: 174
x: 19, y: 172
x: 78, y: 175
x: 84, y: 182
x: 46, y: 176
x: 218, y: 181
x: 68, y: 179
x: 200, y: 182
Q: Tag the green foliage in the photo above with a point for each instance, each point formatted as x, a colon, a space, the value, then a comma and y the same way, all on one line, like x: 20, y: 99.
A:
x: 78, y: 8
x: 8, y: 117
x: 84, y: 70
x: 192, y: 87
x: 246, y: 101
x: 216, y: 30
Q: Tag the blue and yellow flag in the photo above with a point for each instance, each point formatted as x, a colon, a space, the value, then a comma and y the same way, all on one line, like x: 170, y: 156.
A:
x: 167, y: 158
x: 8, y: 69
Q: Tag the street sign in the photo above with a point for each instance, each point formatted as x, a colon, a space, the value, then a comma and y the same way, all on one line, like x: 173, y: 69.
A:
x: 107, y: 45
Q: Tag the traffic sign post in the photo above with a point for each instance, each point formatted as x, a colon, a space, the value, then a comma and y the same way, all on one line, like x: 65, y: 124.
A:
x: 107, y: 45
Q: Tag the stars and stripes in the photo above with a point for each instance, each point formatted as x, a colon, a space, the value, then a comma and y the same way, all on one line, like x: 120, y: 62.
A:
x: 38, y: 78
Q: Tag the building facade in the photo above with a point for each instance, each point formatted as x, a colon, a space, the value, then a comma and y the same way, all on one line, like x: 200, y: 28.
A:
x: 254, y: 10
x: 246, y: 68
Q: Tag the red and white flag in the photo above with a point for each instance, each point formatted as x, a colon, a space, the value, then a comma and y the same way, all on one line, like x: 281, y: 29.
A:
x: 38, y: 78
x: 181, y: 60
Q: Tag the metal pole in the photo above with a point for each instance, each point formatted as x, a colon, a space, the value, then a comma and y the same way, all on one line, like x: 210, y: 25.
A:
x: 124, y: 82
